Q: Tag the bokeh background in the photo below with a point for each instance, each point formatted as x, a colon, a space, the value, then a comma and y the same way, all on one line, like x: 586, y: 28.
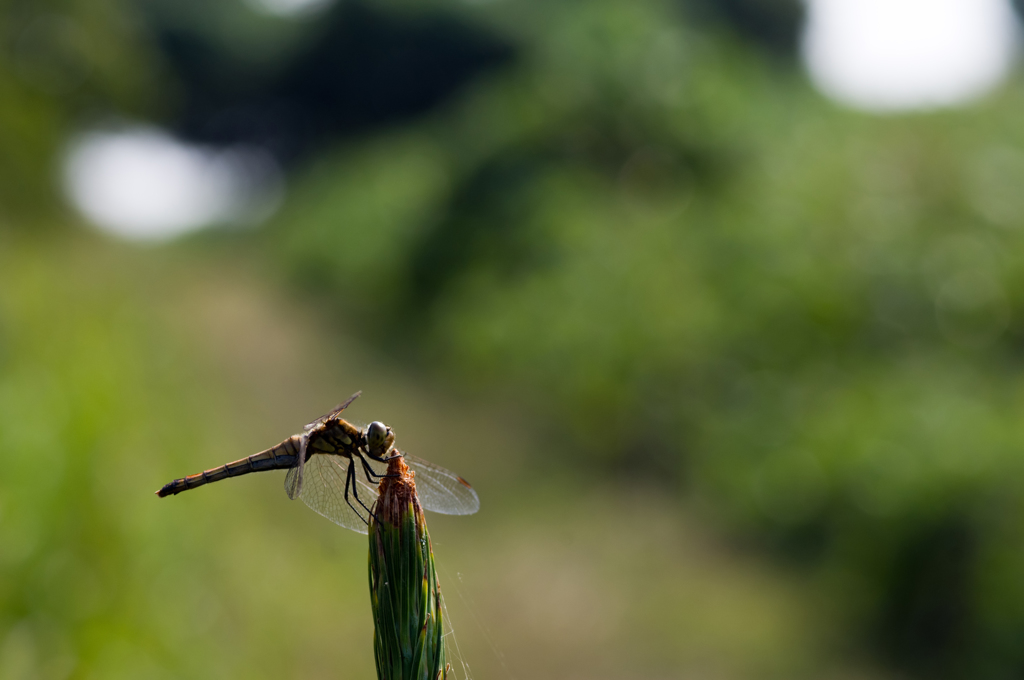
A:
x: 718, y: 303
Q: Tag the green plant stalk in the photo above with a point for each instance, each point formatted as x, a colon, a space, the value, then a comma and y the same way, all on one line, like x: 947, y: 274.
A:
x: 408, y: 640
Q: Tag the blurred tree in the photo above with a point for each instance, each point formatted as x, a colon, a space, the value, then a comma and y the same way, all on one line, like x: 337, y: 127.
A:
x: 688, y: 263
x: 771, y: 24
x: 292, y: 86
x: 60, y: 62
x: 693, y: 264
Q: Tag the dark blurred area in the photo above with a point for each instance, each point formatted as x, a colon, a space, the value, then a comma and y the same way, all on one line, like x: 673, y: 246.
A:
x: 772, y: 25
x: 733, y: 312
x: 356, y: 71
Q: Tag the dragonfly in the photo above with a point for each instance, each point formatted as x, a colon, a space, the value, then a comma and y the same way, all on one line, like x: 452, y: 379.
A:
x: 335, y: 467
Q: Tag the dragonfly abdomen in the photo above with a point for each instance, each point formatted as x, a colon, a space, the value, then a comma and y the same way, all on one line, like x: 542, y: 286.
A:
x: 280, y: 457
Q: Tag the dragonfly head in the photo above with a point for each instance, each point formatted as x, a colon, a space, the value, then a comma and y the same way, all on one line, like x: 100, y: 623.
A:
x: 379, y: 438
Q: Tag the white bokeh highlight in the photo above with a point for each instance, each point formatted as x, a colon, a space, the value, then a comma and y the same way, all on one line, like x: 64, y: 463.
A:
x: 897, y: 55
x: 141, y: 183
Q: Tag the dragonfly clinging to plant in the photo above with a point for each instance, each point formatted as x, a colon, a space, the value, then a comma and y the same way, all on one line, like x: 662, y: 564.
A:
x: 334, y: 467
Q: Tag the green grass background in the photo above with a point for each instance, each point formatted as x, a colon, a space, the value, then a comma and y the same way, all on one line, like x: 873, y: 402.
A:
x: 736, y: 373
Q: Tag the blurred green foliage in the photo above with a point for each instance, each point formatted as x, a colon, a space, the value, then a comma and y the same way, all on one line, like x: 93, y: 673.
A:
x: 62, y: 62
x: 122, y: 368
x: 686, y: 262
x: 683, y: 265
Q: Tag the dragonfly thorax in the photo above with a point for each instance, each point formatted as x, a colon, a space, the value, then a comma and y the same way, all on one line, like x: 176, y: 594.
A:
x: 334, y: 436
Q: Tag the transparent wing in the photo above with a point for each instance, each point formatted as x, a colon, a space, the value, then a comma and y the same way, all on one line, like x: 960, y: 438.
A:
x: 293, y: 481
x: 323, y: 490
x: 337, y: 409
x: 441, y: 490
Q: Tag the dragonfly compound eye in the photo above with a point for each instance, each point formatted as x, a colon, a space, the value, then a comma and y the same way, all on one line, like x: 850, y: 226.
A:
x: 376, y: 434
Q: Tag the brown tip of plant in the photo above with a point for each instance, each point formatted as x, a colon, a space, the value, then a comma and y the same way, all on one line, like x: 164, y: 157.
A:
x: 397, y: 491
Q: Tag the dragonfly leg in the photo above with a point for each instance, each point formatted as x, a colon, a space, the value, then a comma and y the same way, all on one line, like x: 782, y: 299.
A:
x: 384, y: 459
x: 371, y: 475
x: 350, y: 482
